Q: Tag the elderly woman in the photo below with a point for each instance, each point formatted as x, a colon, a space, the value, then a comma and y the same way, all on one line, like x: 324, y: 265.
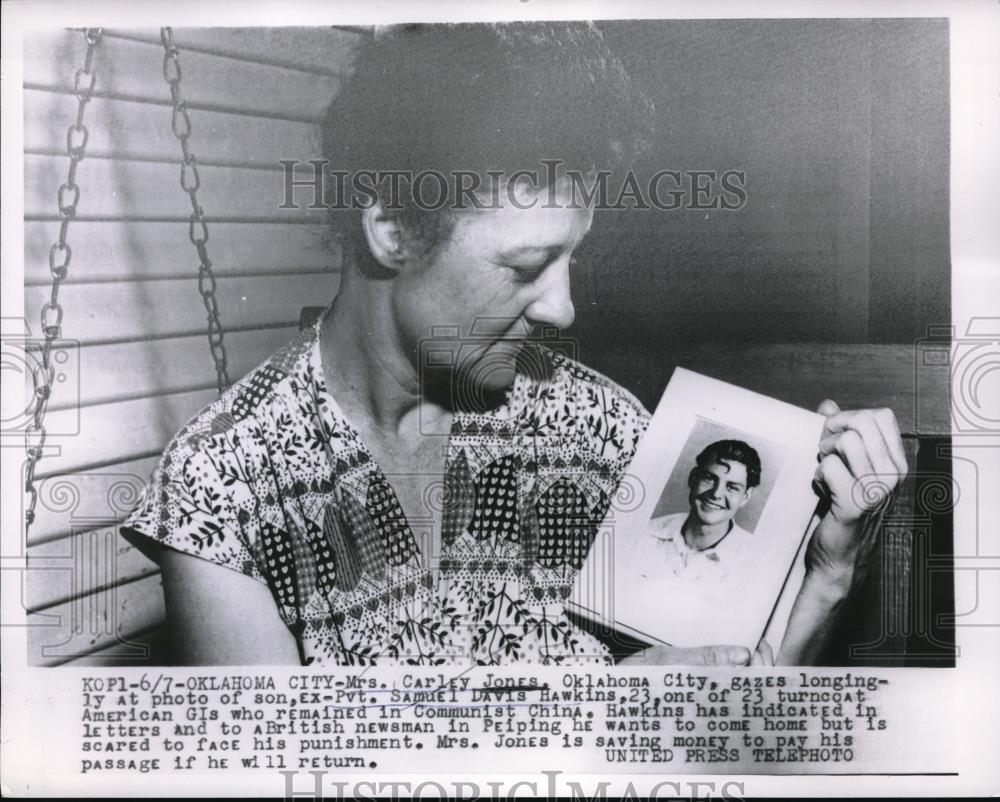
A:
x: 296, y: 518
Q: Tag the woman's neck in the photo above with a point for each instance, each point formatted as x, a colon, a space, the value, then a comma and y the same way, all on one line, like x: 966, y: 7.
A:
x: 367, y: 369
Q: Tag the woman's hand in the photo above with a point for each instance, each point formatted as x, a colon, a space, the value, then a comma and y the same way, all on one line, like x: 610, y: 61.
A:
x: 861, y: 463
x: 701, y: 656
x: 698, y: 656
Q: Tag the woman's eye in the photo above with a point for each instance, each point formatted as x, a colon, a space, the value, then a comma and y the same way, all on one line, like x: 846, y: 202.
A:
x: 527, y: 273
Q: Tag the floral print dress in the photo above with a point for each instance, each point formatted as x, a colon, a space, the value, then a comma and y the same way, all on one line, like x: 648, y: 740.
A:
x: 272, y: 480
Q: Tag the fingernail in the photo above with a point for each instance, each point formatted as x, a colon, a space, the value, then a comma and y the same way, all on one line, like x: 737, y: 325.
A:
x: 739, y: 655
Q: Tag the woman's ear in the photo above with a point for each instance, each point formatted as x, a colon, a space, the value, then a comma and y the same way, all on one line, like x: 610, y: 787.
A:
x: 384, y: 235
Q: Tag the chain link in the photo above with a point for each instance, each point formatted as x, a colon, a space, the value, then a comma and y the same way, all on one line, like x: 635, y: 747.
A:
x: 60, y: 255
x: 197, y: 226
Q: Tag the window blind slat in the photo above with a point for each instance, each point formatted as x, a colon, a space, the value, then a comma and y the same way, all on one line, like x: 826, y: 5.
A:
x: 126, y: 311
x: 134, y: 69
x: 82, y: 626
x: 83, y: 563
x: 130, y: 189
x: 141, y: 131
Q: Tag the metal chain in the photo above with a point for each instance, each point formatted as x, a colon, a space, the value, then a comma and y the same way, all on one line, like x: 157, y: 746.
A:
x: 60, y: 254
x: 197, y: 227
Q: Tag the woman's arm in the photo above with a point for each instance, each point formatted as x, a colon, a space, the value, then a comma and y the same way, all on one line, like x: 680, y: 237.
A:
x: 218, y: 616
x: 810, y: 623
x: 861, y: 462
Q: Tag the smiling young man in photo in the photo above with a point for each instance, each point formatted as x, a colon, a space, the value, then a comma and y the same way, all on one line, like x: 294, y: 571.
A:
x: 704, y: 542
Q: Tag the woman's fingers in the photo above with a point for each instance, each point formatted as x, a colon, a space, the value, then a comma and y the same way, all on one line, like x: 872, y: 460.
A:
x: 873, y: 442
x: 828, y: 407
x: 879, y: 430
x: 853, y: 450
x: 716, y: 656
x: 851, y: 478
x: 696, y: 656
x: 834, y: 474
x: 868, y: 444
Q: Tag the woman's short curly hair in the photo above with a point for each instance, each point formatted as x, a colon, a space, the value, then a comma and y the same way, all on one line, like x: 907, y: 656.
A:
x: 480, y: 98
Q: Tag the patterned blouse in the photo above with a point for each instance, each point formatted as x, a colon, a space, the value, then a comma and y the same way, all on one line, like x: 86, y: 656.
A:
x: 273, y: 481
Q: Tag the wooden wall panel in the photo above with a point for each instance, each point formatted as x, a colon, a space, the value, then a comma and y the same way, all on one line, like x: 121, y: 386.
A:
x: 143, y: 190
x: 855, y: 375
x: 910, y: 180
x: 132, y: 130
x: 87, y: 499
x: 120, y: 312
x: 118, y: 371
x: 83, y: 563
x: 86, y: 624
x: 120, y: 251
x: 119, y: 432
x: 133, y: 70
x: 320, y: 50
x: 146, y: 648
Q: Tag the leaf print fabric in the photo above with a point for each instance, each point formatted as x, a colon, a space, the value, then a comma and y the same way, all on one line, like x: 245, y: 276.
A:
x: 271, y: 480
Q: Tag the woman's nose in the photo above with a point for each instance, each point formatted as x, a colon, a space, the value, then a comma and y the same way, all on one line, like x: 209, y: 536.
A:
x: 553, y: 305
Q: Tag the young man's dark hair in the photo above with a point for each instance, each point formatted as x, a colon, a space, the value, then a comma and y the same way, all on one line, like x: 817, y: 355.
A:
x: 725, y: 451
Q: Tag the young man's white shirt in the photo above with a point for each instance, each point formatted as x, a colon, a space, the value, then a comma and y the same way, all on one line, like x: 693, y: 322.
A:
x: 665, y: 546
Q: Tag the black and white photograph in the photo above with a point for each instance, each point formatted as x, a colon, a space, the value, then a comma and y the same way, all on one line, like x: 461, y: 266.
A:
x: 719, y: 460
x: 550, y: 393
x: 726, y: 502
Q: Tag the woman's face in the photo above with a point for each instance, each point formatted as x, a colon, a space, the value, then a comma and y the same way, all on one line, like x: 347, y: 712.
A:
x: 502, y: 274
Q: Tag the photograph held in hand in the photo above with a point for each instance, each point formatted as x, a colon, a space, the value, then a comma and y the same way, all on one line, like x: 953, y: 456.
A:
x: 707, y: 558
